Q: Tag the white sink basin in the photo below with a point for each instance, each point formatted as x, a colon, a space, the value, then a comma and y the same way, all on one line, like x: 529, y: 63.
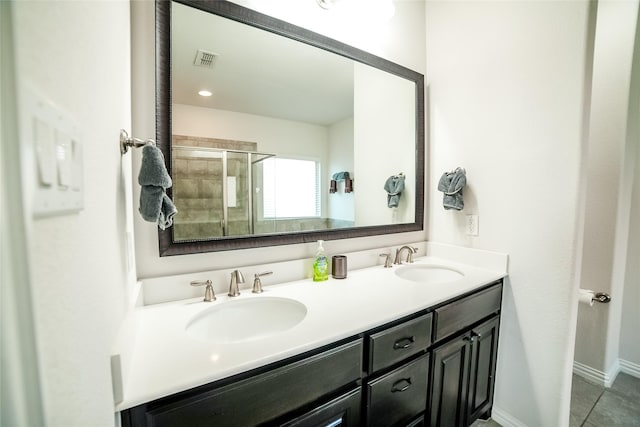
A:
x: 246, y: 319
x: 423, y: 273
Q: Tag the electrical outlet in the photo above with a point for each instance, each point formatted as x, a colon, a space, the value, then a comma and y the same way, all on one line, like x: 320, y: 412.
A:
x: 472, y: 225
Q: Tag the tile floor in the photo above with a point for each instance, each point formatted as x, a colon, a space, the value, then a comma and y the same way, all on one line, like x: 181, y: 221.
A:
x: 487, y: 423
x: 595, y: 406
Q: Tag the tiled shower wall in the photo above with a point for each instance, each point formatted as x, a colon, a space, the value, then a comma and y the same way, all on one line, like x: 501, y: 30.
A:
x: 197, y: 189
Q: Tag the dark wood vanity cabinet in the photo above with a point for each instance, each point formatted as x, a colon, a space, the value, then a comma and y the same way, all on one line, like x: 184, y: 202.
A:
x: 464, y: 366
x: 434, y: 368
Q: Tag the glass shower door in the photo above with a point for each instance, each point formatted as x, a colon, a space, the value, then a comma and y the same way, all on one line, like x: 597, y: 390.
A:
x: 237, y: 197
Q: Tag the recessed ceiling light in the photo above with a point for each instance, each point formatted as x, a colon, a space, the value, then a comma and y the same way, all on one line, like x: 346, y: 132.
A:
x: 205, y: 93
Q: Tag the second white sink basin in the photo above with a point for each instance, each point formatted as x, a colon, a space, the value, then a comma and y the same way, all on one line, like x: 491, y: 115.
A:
x: 246, y: 319
x: 423, y: 273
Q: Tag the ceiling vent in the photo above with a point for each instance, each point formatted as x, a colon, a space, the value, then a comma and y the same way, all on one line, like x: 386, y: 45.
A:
x: 205, y: 59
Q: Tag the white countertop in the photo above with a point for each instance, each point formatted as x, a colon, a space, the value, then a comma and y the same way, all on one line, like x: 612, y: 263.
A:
x: 166, y: 360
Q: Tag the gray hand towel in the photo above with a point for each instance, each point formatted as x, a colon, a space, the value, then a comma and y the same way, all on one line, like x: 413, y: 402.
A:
x: 155, y: 205
x: 339, y: 176
x: 153, y: 171
x: 394, y: 187
x: 451, y: 184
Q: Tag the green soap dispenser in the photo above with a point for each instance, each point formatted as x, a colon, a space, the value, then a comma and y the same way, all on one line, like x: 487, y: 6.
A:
x: 320, y: 265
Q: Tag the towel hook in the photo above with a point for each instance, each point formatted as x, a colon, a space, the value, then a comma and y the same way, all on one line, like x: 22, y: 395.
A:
x: 126, y: 142
x: 602, y: 297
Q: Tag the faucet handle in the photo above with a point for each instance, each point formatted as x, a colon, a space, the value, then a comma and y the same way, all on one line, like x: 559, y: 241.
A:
x: 257, y: 283
x: 208, y: 291
x: 387, y: 260
x: 413, y: 250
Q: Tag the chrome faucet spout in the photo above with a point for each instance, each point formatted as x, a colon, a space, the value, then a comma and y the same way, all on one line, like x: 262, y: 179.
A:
x: 236, y: 279
x: 411, y: 250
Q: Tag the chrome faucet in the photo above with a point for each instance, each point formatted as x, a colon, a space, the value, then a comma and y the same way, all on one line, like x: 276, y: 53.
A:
x: 208, y: 291
x: 236, y: 279
x: 409, y: 259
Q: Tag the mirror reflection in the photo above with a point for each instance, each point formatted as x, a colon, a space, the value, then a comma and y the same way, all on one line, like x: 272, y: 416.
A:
x: 287, y: 137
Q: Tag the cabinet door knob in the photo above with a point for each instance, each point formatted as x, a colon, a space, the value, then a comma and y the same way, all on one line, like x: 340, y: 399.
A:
x: 401, y: 385
x: 404, y: 343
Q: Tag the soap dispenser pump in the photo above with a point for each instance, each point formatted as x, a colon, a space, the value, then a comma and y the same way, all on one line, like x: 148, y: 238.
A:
x: 320, y: 265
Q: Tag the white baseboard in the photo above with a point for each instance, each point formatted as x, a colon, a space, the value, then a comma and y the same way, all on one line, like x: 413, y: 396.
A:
x: 630, y: 368
x: 606, y: 379
x: 505, y: 419
x: 596, y: 376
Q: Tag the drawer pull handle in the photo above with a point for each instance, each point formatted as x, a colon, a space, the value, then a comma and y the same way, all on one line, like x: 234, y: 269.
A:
x: 401, y: 385
x: 404, y: 343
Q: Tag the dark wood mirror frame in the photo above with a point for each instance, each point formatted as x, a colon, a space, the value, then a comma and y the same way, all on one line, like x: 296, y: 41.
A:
x: 241, y: 14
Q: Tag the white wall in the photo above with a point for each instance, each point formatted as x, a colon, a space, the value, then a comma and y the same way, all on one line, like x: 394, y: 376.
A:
x: 401, y: 40
x: 610, y: 171
x: 629, y: 342
x: 76, y: 54
x: 20, y: 396
x: 391, y: 104
x: 506, y: 84
x: 283, y: 137
x: 340, y: 204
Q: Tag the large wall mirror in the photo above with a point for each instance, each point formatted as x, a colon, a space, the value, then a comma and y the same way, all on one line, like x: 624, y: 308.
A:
x: 297, y: 138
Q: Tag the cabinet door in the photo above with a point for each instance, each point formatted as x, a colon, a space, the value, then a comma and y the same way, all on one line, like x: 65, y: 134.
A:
x: 450, y: 383
x: 341, y: 412
x: 484, y: 347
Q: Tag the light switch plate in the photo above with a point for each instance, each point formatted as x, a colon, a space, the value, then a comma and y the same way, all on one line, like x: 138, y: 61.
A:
x: 53, y: 159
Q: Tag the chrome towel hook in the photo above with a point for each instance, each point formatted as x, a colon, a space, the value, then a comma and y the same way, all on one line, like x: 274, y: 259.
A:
x: 602, y: 297
x: 126, y: 142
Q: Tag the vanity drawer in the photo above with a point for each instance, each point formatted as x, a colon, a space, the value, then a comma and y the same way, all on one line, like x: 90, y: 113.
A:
x: 266, y: 396
x: 399, y: 342
x: 458, y: 315
x: 399, y: 395
x: 343, y: 411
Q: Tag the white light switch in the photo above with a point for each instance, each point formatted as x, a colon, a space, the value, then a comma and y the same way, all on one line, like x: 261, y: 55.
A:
x: 64, y: 160
x: 44, y: 150
x: 77, y: 165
